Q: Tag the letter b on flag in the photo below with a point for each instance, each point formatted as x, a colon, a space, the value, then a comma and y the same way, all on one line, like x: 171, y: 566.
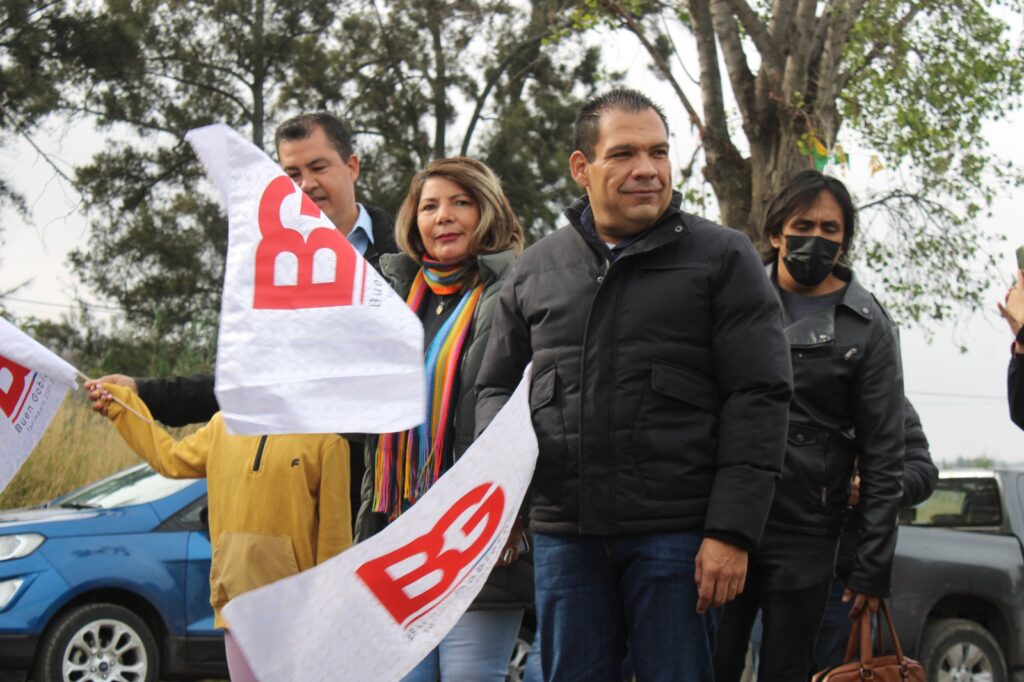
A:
x: 323, y: 248
x: 415, y: 578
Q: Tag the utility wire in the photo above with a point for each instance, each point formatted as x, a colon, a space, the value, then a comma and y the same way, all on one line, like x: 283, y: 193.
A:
x: 91, y: 306
x: 972, y: 396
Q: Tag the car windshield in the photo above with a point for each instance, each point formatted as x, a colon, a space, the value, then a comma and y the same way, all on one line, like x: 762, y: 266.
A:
x: 137, y: 485
x: 959, y: 503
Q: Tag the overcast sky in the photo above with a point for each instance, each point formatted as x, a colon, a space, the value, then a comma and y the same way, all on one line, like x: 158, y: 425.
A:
x: 961, y: 396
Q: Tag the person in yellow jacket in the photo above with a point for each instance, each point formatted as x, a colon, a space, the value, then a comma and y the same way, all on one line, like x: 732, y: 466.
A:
x: 277, y: 504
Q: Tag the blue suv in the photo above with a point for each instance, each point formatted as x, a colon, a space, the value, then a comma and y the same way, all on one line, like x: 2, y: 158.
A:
x: 110, y: 582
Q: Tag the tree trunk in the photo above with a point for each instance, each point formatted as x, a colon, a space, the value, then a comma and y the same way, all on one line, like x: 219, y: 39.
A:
x: 438, y: 85
x: 258, y: 75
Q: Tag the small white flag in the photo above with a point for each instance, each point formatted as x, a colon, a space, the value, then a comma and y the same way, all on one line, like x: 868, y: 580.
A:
x: 311, y: 339
x: 374, y: 611
x: 33, y: 382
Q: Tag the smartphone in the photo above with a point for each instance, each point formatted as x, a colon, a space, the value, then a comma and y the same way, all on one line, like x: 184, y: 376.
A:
x: 1020, y: 258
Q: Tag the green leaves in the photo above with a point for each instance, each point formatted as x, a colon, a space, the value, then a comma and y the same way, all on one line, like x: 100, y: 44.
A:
x: 405, y: 75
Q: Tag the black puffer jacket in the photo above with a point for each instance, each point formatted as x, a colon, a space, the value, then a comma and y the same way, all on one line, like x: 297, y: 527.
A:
x: 661, y: 380
x: 512, y: 586
x: 847, y: 403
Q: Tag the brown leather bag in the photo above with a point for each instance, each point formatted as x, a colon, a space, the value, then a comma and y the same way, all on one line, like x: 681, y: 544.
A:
x: 893, y: 667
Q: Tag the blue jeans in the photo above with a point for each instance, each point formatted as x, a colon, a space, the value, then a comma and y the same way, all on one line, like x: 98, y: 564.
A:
x: 479, y: 647
x: 835, y: 629
x: 595, y: 593
x: 532, y: 671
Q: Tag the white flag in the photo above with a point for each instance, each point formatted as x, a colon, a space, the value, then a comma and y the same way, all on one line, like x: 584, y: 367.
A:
x: 374, y: 611
x: 33, y: 382
x: 311, y: 339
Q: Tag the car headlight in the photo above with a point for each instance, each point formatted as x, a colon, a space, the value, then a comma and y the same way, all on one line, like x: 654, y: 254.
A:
x: 17, y: 546
x: 9, y: 588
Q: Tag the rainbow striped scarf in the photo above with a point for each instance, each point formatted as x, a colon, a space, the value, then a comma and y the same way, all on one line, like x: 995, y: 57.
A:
x: 409, y: 462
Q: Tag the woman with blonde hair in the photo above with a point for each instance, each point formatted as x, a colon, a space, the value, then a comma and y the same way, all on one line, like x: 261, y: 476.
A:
x: 459, y: 238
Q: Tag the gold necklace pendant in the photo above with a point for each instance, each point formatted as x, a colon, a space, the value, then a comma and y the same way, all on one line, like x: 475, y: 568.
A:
x: 440, y: 307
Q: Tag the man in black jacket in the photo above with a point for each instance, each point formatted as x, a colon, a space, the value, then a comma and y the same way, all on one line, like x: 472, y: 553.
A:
x: 659, y: 395
x: 847, y: 409
x: 315, y: 150
x: 919, y: 479
x: 1013, y: 310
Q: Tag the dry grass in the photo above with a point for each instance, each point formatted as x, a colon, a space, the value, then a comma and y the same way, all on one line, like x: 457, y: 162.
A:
x: 79, y: 447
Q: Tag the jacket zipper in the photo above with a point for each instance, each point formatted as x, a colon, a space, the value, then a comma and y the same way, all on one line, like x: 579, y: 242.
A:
x: 259, y: 454
x: 583, y: 373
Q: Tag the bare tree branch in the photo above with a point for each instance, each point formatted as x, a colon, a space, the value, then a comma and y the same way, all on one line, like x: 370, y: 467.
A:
x: 841, y: 21
x: 710, y: 77
x: 664, y: 68
x: 770, y: 55
x: 794, y: 81
x: 782, y: 18
x: 735, y: 59
x: 46, y: 157
x: 492, y: 81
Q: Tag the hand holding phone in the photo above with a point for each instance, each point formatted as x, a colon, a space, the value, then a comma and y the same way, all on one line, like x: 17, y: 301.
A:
x: 1012, y: 307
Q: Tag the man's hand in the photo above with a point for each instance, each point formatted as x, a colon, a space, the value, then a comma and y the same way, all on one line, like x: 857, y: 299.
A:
x: 1012, y: 308
x: 96, y: 393
x: 720, y: 573
x: 854, y: 491
x: 860, y: 600
x: 511, y: 550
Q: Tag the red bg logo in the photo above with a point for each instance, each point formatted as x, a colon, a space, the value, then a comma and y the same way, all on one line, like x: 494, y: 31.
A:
x: 409, y: 589
x: 279, y: 240
x: 13, y: 378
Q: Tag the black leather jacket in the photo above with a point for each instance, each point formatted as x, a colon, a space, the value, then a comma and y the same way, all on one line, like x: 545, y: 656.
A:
x: 1015, y: 389
x: 847, y: 403
x: 919, y: 479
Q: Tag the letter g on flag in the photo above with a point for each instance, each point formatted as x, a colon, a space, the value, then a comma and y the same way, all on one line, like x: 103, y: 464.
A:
x: 13, y: 387
x: 325, y: 248
x: 413, y: 579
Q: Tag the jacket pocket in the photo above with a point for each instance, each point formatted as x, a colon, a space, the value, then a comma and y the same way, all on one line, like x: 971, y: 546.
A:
x: 675, y: 432
x: 549, y: 425
x: 805, y: 473
x: 244, y: 561
x: 685, y: 385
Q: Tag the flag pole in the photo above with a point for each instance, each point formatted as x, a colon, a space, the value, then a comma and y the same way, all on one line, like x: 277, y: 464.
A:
x: 120, y: 402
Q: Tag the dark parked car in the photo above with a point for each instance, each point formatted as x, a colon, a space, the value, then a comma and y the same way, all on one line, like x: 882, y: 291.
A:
x: 110, y: 582
x: 958, y: 579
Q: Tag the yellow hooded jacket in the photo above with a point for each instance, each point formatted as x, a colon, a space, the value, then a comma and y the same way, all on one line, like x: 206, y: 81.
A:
x: 277, y: 504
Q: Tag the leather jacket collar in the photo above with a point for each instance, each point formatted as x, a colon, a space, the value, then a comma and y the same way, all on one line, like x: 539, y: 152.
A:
x: 819, y: 329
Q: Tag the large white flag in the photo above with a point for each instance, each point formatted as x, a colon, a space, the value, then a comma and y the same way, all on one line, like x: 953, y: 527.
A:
x: 374, y: 611
x: 312, y: 339
x: 33, y: 382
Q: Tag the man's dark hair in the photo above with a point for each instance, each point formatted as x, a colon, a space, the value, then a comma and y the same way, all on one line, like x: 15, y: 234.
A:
x: 800, y: 193
x: 588, y: 122
x: 302, y: 126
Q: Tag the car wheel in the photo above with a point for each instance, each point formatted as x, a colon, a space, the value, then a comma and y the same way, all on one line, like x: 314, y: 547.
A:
x: 957, y: 650
x: 98, y: 643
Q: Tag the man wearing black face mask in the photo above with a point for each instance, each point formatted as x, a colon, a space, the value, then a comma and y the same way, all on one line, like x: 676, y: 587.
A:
x: 847, y: 403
